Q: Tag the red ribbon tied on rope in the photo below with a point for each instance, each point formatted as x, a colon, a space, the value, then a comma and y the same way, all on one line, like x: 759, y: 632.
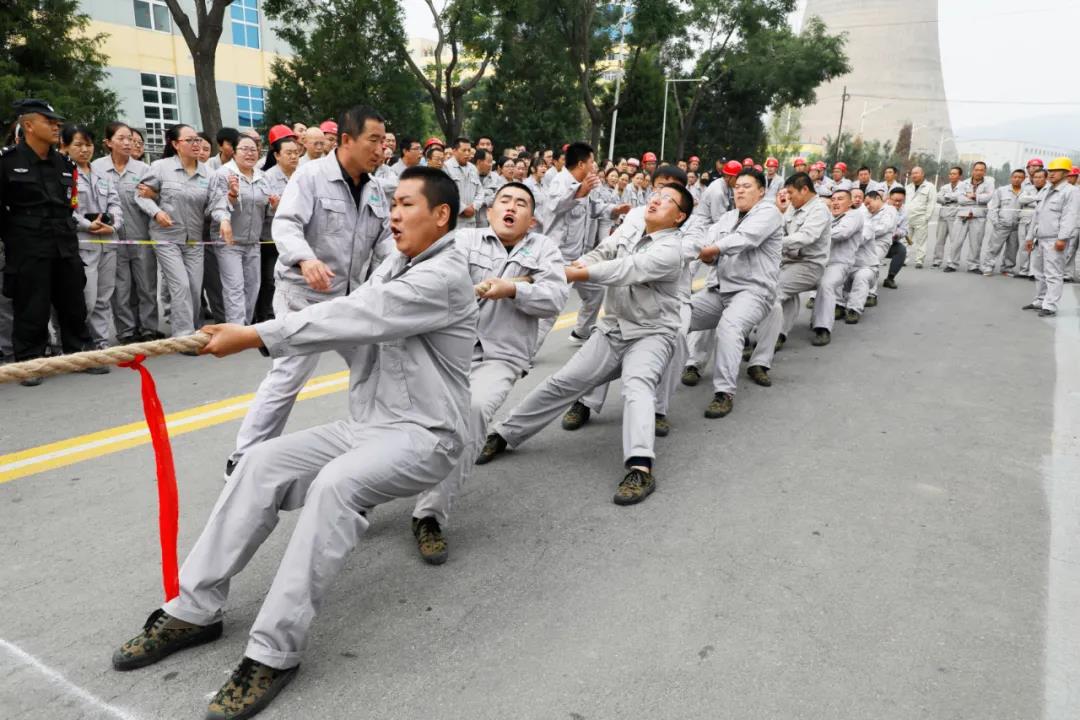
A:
x: 168, y: 502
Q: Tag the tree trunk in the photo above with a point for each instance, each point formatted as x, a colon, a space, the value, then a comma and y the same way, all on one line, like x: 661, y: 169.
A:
x: 202, y: 41
x: 206, y: 91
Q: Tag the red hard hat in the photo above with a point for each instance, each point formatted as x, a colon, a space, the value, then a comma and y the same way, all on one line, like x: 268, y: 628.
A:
x: 280, y: 131
x: 747, y: 162
x: 799, y: 161
x: 772, y: 162
x: 732, y: 168
x: 648, y: 157
x: 819, y: 165
x: 1075, y: 170
x: 328, y: 126
x: 841, y: 166
x: 434, y: 141
x: 759, y: 168
x: 695, y: 158
x: 1036, y: 161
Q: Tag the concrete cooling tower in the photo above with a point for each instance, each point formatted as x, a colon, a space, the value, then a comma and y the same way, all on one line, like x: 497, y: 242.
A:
x: 892, y: 47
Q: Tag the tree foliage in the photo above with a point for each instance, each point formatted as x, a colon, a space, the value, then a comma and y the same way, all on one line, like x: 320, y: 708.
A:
x: 46, y: 52
x: 202, y: 41
x: 348, y: 57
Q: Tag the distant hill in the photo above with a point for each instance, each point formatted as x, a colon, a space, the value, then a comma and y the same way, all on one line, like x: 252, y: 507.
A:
x: 1061, y: 130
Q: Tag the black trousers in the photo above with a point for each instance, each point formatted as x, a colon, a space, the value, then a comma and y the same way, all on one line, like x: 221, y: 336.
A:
x: 898, y: 253
x: 37, y: 285
x: 264, y: 306
x: 215, y: 303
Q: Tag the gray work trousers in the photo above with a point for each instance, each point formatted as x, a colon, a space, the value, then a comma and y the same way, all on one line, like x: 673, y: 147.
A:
x: 999, y: 239
x: 604, y: 357
x: 336, y: 473
x: 795, y: 278
x: 1023, y: 255
x: 490, y: 382
x: 239, y: 267
x: 733, y: 315
x: 1070, y: 259
x: 699, y: 347
x: 920, y: 235
x: 830, y: 288
x: 182, y: 270
x: 862, y: 278
x: 1048, y: 265
x: 99, y: 264
x: 969, y: 231
x: 592, y: 299
x: 136, y: 275
x: 944, y: 230
x: 274, y: 400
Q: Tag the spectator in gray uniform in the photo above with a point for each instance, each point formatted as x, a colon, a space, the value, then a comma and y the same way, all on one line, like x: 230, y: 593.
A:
x: 1003, y: 218
x: 226, y: 139
x: 464, y: 175
x: 174, y: 194
x: 281, y: 162
x: 948, y: 198
x: 97, y: 218
x: 490, y: 182
x: 1033, y: 190
x: 135, y: 309
x: 970, y: 224
x: 1057, y: 217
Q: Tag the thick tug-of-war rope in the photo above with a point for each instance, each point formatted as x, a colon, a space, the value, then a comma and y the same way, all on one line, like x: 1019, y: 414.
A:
x: 75, y: 362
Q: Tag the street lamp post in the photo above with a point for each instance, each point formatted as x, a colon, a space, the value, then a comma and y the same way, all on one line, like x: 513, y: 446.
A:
x: 618, y: 82
x: 663, y: 130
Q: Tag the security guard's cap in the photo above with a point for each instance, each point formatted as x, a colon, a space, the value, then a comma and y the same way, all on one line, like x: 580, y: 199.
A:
x: 33, y: 105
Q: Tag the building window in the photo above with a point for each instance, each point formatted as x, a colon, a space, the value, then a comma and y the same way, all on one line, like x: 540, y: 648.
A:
x: 152, y: 15
x: 245, y: 23
x: 249, y: 106
x: 160, y: 108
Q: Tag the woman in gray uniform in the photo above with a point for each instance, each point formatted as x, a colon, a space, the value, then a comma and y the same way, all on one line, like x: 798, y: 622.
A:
x: 281, y: 162
x: 182, y: 186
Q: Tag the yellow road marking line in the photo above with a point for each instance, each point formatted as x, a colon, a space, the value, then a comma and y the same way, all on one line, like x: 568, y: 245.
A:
x: 105, y: 442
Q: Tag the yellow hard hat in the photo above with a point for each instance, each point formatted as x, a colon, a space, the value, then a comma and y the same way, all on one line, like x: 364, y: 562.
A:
x: 1060, y: 163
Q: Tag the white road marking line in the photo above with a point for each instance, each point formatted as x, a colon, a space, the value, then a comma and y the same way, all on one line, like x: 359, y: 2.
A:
x: 1061, y: 476
x: 56, y: 678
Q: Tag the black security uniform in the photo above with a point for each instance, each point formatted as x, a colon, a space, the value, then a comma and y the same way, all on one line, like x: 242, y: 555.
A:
x: 43, y: 269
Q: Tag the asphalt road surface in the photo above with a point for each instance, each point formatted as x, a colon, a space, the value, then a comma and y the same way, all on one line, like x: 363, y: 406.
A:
x: 888, y: 532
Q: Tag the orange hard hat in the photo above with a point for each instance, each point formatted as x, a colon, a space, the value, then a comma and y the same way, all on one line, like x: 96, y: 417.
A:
x: 280, y: 131
x: 732, y: 168
x: 648, y: 157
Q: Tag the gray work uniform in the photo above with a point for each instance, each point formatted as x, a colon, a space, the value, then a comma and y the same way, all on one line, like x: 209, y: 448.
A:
x: 804, y: 255
x: 741, y: 287
x: 824, y: 187
x: 505, y: 342
x: 408, y: 334
x: 135, y: 299
x: 846, y: 234
x: 948, y: 200
x: 98, y: 194
x: 489, y: 185
x: 564, y: 221
x: 970, y: 223
x: 634, y: 341
x: 316, y: 219
x: 239, y: 263
x: 715, y: 202
x: 773, y: 186
x: 470, y: 192
x: 1029, y: 200
x: 920, y: 203
x: 179, y: 249
x: 1057, y: 217
x: 878, y: 229
x: 1003, y: 224
x: 389, y: 176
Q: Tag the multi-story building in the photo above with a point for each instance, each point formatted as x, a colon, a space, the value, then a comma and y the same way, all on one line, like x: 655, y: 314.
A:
x: 1010, y: 154
x: 150, y: 67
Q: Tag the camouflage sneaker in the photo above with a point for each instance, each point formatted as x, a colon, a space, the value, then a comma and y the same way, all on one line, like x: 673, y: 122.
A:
x: 821, y: 337
x: 495, y: 445
x: 838, y: 312
x: 871, y: 301
x: 852, y: 318
x: 720, y: 406
x: 249, y: 690
x: 429, y: 540
x: 748, y: 350
x: 760, y: 375
x: 810, y: 303
x: 635, y: 487
x: 162, y: 635
x: 780, y: 340
x: 691, y: 376
x: 576, y: 416
x: 663, y: 427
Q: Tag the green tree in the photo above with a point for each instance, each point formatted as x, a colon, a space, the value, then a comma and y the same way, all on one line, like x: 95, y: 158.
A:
x: 641, y: 104
x: 783, y: 134
x: 47, y: 53
x: 202, y: 41
x: 347, y: 56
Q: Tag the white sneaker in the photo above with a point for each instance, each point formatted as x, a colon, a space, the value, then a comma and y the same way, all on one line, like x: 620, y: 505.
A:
x: 576, y: 339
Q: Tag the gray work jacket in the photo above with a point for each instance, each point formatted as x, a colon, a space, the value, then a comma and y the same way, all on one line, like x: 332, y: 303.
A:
x: 1004, y: 208
x: 1058, y: 214
x: 97, y: 194
x: 565, y: 214
x: 185, y: 198
x: 846, y: 233
x: 976, y: 208
x: 489, y: 185
x: 877, y: 234
x: 749, y: 250
x: 948, y: 198
x: 807, y: 234
x: 470, y: 192
x: 250, y: 211
x: 317, y: 219
x: 920, y: 202
x: 275, y: 180
x: 134, y: 226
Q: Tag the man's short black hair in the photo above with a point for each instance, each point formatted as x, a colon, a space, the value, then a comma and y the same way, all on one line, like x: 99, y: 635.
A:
x: 873, y: 194
x: 406, y: 142
x: 837, y: 191
x: 759, y: 177
x: 673, y: 172
x: 863, y: 168
x: 519, y: 186
x: 800, y: 181
x: 227, y: 135
x: 1018, y: 170
x: 1044, y: 171
x: 958, y: 169
x: 459, y: 141
x: 481, y: 154
x: 686, y: 201
x: 577, y: 153
x: 898, y: 191
x: 893, y: 168
x: 438, y: 189
x: 351, y: 122
x: 556, y: 153
x: 486, y: 137
x: 977, y: 164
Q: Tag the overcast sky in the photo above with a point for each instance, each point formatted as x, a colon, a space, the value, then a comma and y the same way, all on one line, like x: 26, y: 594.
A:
x: 987, y: 53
